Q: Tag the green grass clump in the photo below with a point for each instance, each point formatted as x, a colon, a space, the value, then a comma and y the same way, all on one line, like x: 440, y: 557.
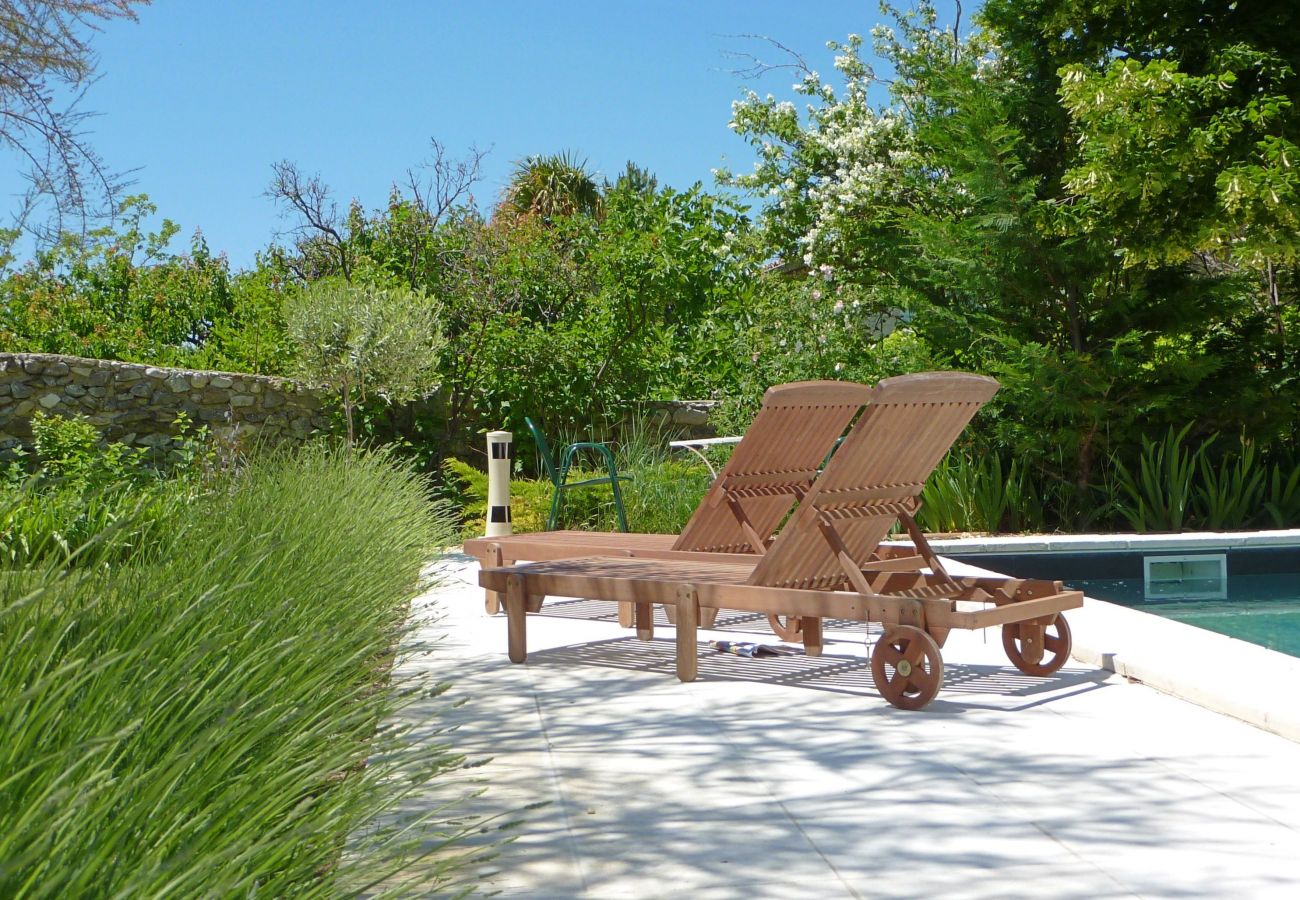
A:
x: 209, y: 720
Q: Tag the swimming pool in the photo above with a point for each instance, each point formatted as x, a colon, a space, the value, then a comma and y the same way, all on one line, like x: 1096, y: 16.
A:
x: 1262, y: 588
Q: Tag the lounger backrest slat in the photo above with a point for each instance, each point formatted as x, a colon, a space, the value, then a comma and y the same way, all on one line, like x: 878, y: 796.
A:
x: 796, y: 427
x: 878, y: 472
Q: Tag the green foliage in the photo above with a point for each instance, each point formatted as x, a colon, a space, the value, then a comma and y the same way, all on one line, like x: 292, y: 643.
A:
x: 968, y: 493
x: 1283, y: 497
x: 69, y: 449
x: 551, y: 187
x: 1157, y: 496
x: 1231, y: 494
x: 660, y: 499
x: 115, y: 294
x: 211, y: 722
x: 360, y: 341
x: 1076, y: 239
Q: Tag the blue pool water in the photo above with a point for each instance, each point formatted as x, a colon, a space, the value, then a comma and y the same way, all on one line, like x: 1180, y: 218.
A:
x: 1263, y: 587
x: 1262, y: 609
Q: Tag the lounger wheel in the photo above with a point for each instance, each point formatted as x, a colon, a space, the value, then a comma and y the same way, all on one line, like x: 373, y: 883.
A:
x: 907, y: 667
x: 1036, y: 650
x: 787, y: 628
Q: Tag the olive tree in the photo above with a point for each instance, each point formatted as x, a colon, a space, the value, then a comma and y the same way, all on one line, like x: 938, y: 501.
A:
x: 362, y: 341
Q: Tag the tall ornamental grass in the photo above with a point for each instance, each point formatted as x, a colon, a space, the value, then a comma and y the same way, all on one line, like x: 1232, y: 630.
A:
x: 211, y: 722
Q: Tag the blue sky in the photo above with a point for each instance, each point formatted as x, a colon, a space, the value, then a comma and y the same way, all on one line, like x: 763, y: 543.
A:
x: 202, y: 97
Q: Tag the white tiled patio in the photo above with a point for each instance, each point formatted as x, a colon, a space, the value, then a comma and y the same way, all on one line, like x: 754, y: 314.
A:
x: 791, y: 777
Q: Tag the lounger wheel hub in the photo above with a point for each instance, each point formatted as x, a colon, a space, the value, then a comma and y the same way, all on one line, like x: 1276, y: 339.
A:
x: 907, y: 667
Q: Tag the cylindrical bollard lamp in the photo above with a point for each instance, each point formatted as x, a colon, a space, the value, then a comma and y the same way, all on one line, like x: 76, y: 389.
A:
x: 501, y: 453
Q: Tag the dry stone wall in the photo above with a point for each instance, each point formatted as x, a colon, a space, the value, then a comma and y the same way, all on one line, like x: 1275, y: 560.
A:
x: 137, y: 404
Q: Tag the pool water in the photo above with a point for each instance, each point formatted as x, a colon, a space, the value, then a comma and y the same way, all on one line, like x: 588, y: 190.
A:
x: 1262, y: 609
x: 1263, y: 587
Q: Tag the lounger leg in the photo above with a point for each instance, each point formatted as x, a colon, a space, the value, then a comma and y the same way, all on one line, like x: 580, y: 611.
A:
x: 625, y: 615
x: 493, y: 560
x: 688, y: 614
x: 812, y: 635
x: 645, y: 621
x: 517, y: 615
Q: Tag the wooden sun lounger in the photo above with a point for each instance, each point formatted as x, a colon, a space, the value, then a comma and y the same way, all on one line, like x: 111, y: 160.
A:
x: 824, y: 562
x: 770, y: 469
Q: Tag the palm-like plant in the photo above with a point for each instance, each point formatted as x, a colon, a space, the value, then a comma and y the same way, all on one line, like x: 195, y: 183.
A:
x: 551, y: 186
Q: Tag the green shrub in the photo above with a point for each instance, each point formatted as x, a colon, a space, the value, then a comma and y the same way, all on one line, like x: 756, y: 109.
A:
x: 211, y: 722
x: 660, y: 498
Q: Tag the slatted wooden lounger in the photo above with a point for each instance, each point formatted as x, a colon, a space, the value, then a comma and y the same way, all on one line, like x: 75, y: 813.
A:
x: 794, y: 430
x: 823, y: 564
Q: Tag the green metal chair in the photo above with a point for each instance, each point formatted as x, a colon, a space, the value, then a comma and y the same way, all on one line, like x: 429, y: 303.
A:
x: 560, y: 476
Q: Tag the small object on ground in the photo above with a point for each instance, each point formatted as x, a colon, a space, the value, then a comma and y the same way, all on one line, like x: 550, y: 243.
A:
x: 747, y: 648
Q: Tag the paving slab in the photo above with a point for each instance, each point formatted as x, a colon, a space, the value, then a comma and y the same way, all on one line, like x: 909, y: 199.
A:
x: 791, y: 776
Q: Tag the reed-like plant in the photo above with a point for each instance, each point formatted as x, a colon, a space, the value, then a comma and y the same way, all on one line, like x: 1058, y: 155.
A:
x: 1231, y: 494
x: 213, y: 721
x: 1157, y: 495
x: 1282, y: 505
x: 979, y: 494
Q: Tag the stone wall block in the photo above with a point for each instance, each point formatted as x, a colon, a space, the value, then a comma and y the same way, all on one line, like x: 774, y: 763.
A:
x: 138, y: 404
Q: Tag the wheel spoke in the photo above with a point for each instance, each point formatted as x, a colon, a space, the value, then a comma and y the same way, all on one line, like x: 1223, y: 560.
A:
x: 914, y: 652
x: 888, y: 652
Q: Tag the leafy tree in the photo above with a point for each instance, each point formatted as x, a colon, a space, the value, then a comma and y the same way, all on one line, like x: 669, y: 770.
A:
x: 953, y: 208
x: 362, y: 342
x: 44, y: 49
x: 116, y: 293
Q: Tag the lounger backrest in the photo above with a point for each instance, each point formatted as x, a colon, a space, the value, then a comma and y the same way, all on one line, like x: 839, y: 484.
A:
x: 782, y: 450
x: 877, y: 473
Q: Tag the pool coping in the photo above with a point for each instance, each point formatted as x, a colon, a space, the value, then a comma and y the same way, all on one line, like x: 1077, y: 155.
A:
x: 1056, y: 543
x: 1214, y: 671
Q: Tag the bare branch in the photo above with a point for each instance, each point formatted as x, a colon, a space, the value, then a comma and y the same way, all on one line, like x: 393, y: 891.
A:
x: 757, y: 67
x: 319, y: 231
x: 440, y: 184
x: 44, y: 46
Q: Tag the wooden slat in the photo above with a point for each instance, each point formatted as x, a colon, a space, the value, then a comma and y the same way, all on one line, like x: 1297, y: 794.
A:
x: 1018, y: 612
x: 900, y: 437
